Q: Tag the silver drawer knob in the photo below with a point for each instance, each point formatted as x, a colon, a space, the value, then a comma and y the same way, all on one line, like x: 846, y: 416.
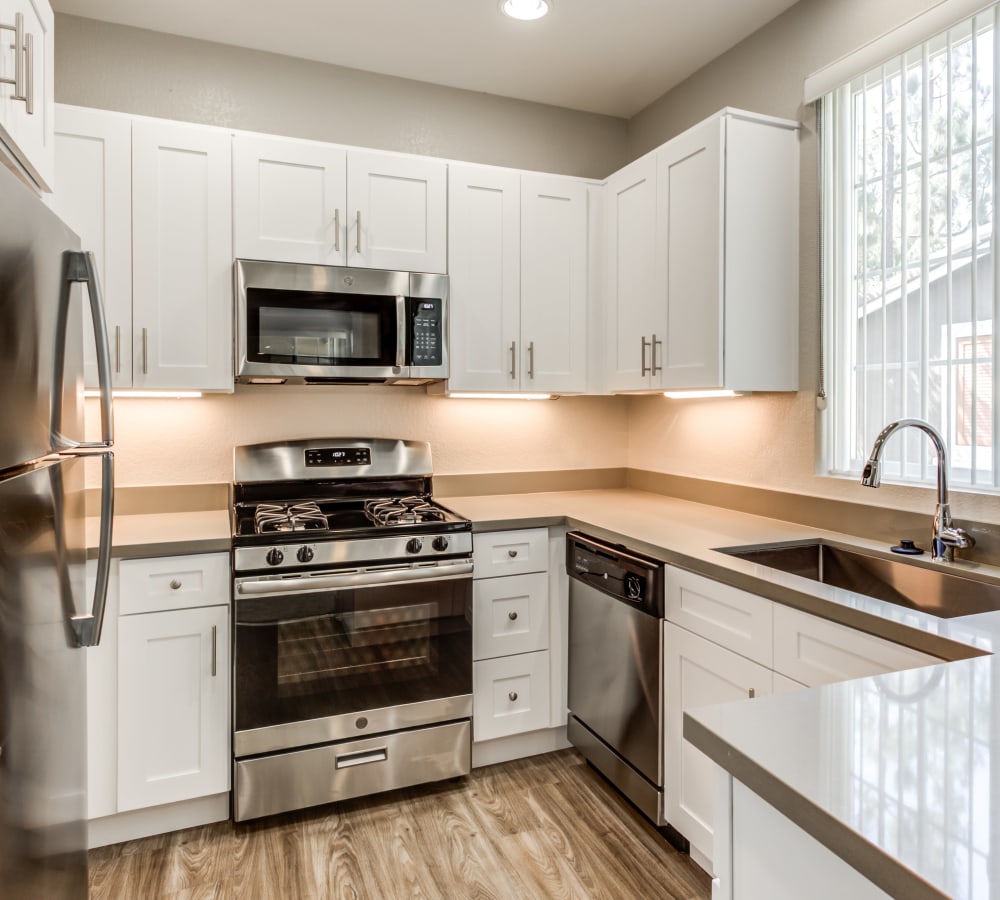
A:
x: 512, y: 615
x: 175, y: 584
x: 512, y: 696
x: 512, y: 553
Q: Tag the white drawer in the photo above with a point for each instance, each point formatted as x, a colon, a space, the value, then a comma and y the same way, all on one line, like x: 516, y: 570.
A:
x: 726, y: 615
x: 511, y: 695
x: 174, y: 582
x: 815, y: 651
x: 510, y: 615
x: 510, y: 552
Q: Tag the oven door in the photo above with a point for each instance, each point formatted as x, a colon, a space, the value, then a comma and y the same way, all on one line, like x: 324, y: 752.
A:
x: 334, y: 655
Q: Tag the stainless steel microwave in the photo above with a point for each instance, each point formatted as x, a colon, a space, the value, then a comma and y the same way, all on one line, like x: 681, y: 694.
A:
x: 304, y: 324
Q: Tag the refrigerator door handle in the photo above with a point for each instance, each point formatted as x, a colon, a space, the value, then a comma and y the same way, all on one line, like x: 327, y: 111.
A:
x: 87, y: 628
x: 81, y: 266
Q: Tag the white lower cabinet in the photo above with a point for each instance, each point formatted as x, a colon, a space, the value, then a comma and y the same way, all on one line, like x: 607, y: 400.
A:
x: 698, y: 673
x: 511, y: 695
x: 722, y: 644
x: 173, y: 706
x: 158, y: 697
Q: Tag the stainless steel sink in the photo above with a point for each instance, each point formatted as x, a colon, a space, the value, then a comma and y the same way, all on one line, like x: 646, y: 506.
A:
x: 930, y: 589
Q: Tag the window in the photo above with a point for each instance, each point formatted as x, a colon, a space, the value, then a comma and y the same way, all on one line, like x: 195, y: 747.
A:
x: 910, y: 262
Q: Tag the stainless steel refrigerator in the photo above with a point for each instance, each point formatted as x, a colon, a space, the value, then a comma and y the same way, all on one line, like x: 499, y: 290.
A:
x: 47, y: 286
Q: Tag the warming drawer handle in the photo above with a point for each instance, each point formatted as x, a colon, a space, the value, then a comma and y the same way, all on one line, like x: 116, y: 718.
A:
x: 362, y: 757
x: 300, y: 583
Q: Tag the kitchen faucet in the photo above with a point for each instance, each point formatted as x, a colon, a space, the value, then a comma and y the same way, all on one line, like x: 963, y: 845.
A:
x: 946, y: 536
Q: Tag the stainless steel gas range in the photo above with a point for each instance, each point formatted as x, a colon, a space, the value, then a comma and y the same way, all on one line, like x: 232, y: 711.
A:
x: 352, y: 606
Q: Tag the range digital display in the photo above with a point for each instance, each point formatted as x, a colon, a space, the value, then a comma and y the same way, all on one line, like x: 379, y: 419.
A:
x: 339, y: 456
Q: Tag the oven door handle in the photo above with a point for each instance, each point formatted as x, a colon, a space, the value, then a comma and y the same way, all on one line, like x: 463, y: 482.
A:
x: 299, y: 584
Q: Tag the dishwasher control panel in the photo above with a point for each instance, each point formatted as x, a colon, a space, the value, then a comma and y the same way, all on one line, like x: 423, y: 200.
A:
x: 628, y: 576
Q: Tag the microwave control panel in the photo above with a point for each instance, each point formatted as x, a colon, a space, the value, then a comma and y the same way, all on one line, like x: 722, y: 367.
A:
x: 426, y: 333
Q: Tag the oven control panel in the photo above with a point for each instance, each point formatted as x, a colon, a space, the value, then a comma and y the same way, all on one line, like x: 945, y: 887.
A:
x: 338, y: 456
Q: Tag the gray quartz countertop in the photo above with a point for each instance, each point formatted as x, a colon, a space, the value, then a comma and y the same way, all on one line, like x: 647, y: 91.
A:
x: 165, y: 534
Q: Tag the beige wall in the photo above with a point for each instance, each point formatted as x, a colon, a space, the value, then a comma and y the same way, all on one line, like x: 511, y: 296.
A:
x: 770, y: 440
x: 189, y: 441
x: 147, y: 73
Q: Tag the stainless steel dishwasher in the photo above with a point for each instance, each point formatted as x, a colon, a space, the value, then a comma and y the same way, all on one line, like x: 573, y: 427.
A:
x: 616, y: 667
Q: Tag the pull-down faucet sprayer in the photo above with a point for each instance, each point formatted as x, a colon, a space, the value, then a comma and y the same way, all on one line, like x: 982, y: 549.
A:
x: 946, y: 537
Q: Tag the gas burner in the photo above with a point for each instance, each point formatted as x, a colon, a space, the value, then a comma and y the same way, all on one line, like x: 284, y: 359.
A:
x: 403, y: 511
x: 282, y: 517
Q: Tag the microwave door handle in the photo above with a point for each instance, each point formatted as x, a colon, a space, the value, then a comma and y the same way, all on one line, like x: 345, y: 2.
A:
x: 401, y: 331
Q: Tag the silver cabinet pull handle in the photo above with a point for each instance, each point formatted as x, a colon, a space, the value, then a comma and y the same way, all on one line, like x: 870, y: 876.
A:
x: 512, y: 615
x: 512, y: 696
x: 512, y: 553
x: 513, y: 359
x: 145, y: 351
x: 215, y: 650
x: 118, y: 349
x: 531, y: 359
x: 358, y: 244
x: 336, y: 230
x: 752, y: 693
x: 29, y: 74
x: 175, y: 584
x: 645, y: 368
x: 655, y: 368
x: 20, y: 51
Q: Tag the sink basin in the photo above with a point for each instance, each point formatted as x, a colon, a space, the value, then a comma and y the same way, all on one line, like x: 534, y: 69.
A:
x: 932, y: 590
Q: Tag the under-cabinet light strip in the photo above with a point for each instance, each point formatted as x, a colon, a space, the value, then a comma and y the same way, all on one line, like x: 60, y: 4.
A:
x: 148, y: 395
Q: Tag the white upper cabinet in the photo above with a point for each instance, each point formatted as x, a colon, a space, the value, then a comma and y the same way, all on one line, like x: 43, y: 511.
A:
x: 94, y: 197
x: 518, y: 258
x: 727, y: 220
x: 309, y: 202
x: 484, y: 238
x: 26, y: 90
x: 702, y: 260
x: 553, y: 284
x: 289, y: 200
x: 182, y: 256
x: 635, y: 315
x: 397, y: 212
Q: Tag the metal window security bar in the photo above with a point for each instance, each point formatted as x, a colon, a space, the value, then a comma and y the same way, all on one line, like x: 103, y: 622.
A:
x: 911, y: 266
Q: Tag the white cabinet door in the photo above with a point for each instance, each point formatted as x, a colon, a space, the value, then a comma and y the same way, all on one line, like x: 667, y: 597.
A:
x: 511, y: 695
x: 634, y: 302
x: 182, y: 256
x: 510, y: 615
x: 173, y: 706
x: 690, y: 195
x: 813, y: 651
x: 397, y: 212
x: 289, y: 200
x: 484, y: 263
x: 26, y: 126
x: 554, y: 218
x: 696, y: 673
x: 93, y: 195
x: 498, y: 553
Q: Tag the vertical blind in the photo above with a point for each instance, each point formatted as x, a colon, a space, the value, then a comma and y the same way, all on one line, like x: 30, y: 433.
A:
x: 909, y: 180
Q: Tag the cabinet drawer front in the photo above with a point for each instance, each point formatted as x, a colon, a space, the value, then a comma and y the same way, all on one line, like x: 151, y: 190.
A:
x: 510, y: 615
x: 733, y: 618
x: 815, y: 651
x: 174, y: 582
x: 511, y: 552
x: 511, y: 695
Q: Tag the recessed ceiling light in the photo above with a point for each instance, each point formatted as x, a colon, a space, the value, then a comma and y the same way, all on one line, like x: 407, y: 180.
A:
x: 525, y: 9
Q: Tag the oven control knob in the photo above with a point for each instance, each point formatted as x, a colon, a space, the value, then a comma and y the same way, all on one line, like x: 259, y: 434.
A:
x: 414, y: 545
x: 305, y: 554
x: 440, y: 543
x: 274, y: 557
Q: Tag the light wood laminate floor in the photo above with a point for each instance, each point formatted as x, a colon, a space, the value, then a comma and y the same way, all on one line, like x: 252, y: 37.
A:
x: 548, y: 826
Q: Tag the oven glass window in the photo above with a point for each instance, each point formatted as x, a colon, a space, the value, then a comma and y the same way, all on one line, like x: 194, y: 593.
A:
x: 329, y: 653
x: 302, y: 328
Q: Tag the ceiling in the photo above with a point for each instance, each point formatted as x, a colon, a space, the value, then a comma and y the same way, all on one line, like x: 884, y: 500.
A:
x: 603, y: 56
